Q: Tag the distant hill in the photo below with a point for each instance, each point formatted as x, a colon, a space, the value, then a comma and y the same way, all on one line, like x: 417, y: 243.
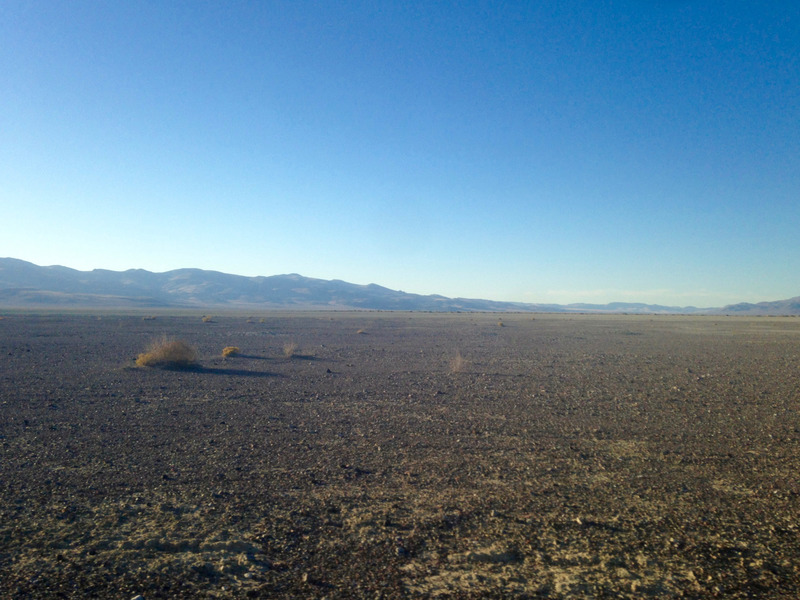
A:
x: 633, y: 307
x: 779, y: 307
x: 23, y: 284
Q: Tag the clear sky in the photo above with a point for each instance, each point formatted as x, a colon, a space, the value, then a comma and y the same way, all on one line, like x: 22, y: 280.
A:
x: 553, y: 151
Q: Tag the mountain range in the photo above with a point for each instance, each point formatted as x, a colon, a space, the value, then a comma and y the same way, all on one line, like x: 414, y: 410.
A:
x: 26, y: 285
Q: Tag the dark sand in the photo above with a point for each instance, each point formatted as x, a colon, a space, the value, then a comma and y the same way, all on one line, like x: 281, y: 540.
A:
x: 572, y: 456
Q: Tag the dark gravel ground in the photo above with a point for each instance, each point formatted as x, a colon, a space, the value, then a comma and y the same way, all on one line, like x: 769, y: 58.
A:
x: 570, y: 456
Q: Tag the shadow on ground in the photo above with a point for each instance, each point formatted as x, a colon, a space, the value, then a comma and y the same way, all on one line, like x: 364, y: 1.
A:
x: 237, y: 372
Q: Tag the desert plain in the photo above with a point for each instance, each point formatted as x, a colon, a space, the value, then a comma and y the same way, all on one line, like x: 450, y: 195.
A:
x: 400, y: 455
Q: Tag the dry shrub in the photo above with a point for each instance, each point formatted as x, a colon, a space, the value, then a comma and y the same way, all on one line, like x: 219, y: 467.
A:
x: 361, y: 332
x: 458, y: 363
x: 500, y: 323
x: 289, y: 349
x: 168, y: 354
x: 207, y: 319
x: 230, y: 351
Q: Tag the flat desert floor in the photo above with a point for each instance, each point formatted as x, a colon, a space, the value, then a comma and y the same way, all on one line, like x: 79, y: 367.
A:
x: 566, y: 456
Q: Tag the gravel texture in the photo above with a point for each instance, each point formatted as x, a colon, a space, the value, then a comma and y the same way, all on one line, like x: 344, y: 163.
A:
x: 561, y: 457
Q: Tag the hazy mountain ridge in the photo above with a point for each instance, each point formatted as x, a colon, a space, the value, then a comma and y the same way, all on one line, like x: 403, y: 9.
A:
x: 24, y: 284
x: 790, y: 306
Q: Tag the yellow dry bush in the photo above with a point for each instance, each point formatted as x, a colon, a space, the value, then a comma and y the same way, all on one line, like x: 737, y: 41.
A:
x: 168, y: 354
x: 230, y: 351
x: 289, y: 349
x: 458, y: 363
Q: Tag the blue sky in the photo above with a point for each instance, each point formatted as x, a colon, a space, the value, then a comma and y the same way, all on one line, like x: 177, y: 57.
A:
x: 530, y: 151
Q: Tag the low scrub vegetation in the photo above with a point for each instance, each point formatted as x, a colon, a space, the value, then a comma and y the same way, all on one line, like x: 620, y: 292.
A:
x: 290, y: 349
x: 168, y: 354
x: 458, y: 363
x: 230, y: 351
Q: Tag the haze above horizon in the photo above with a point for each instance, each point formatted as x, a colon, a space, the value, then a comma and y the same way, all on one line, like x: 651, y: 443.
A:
x: 551, y: 152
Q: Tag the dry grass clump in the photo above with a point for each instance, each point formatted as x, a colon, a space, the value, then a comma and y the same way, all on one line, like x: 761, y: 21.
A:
x: 207, y: 319
x: 168, y: 354
x: 458, y: 363
x: 230, y: 351
x: 500, y: 323
x: 290, y: 349
x: 361, y: 332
